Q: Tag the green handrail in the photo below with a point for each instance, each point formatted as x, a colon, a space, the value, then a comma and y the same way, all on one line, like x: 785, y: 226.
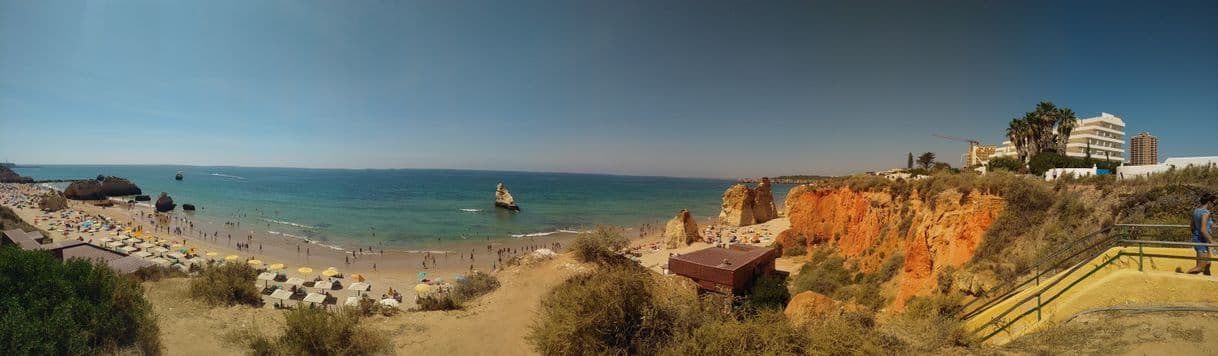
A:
x: 1040, y: 302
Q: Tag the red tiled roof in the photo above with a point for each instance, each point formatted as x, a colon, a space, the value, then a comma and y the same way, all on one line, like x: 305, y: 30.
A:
x: 729, y: 259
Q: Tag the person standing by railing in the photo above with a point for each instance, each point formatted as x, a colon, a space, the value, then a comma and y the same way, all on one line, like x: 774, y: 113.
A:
x: 1200, y: 225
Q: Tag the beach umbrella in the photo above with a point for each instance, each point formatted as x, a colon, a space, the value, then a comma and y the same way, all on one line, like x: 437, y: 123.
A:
x: 231, y: 257
x: 212, y: 254
x: 389, y: 302
x: 422, y: 288
x: 276, y: 266
x: 357, y: 277
x: 329, y: 272
x: 305, y: 270
x: 459, y: 278
x: 422, y: 274
x: 254, y: 262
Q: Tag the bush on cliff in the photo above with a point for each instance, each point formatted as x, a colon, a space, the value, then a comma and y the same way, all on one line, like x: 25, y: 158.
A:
x: 1006, y: 164
x: 601, y: 246
x: 610, y: 311
x: 825, y: 273
x: 768, y: 293
x: 474, y: 286
x: 313, y: 331
x: 226, y: 284
x: 768, y: 333
x: 50, y: 307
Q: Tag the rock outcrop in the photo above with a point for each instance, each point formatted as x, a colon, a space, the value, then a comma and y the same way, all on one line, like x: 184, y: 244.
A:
x: 503, y: 198
x: 164, y: 203
x: 115, y: 187
x: 682, y: 230
x: 744, y: 206
x: 178, y: 176
x: 737, y: 207
x: 143, y: 198
x: 7, y: 175
x: 188, y: 207
x: 763, y: 202
x: 100, y: 189
x: 52, y: 201
x: 869, y: 227
x: 809, y: 306
x: 84, y: 190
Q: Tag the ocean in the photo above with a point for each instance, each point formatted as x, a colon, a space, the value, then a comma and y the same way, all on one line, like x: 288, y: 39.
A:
x: 411, y: 207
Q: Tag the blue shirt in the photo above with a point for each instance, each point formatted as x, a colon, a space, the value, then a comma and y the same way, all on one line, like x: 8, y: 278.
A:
x: 1198, y: 224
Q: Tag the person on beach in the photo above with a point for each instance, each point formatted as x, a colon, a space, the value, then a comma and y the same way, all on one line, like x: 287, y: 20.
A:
x: 1200, y: 225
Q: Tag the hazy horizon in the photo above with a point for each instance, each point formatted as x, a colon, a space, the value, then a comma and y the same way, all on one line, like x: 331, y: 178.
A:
x: 681, y: 89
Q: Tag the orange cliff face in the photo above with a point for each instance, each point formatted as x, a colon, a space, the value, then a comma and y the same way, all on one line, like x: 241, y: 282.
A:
x: 868, y: 227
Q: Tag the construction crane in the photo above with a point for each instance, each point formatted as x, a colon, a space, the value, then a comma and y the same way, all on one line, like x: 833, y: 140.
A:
x: 970, y: 157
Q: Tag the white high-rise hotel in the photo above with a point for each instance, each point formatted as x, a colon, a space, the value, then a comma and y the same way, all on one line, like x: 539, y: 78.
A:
x: 1105, y: 134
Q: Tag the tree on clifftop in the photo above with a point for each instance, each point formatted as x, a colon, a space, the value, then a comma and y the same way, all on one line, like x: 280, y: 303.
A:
x: 1045, y: 129
x: 926, y: 160
x: 909, y: 161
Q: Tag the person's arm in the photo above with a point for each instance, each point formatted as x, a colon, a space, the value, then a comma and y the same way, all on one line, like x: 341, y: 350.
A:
x: 1205, y: 228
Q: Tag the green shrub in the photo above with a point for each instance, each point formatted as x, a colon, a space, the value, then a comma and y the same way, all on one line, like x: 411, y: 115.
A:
x: 473, y: 286
x: 226, y: 284
x: 601, y: 246
x: 50, y: 307
x: 797, y: 250
x: 314, y: 331
x: 1008, y: 164
x: 824, y: 274
x: 156, y: 273
x: 928, y: 324
x: 768, y: 333
x: 437, y: 303
x: 768, y: 293
x: 850, y: 333
x: 609, y: 311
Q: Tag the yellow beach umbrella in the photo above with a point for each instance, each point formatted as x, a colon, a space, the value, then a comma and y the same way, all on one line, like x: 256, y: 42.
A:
x: 276, y: 266
x: 422, y: 288
x: 212, y: 254
x: 305, y: 270
x: 330, y: 273
x: 175, y: 246
x: 231, y: 257
x: 254, y: 262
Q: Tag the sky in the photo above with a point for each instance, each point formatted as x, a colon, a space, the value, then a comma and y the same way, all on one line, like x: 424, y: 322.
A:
x: 673, y: 88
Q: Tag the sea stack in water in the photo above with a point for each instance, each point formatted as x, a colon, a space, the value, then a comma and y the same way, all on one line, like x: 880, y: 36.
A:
x: 188, y: 207
x: 743, y: 206
x: 178, y: 177
x: 681, y: 230
x: 503, y: 198
x: 164, y: 203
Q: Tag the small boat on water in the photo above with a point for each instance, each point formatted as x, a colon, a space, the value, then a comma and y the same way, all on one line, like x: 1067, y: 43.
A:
x: 178, y: 177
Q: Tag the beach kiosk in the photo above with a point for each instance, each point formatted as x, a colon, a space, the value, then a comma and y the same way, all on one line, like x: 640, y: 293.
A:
x: 730, y: 270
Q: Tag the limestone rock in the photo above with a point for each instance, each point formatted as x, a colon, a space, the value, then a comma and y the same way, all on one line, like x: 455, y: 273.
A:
x: 143, y: 198
x: 763, y: 202
x: 52, y: 201
x: 164, y: 203
x: 868, y: 228
x: 188, y: 207
x: 7, y: 175
x: 115, y: 186
x: 681, y: 230
x: 737, y: 207
x: 808, y: 306
x: 503, y: 198
x: 793, y: 197
x: 84, y: 190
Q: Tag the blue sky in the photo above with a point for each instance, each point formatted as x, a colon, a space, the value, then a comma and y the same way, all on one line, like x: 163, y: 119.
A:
x: 698, y: 88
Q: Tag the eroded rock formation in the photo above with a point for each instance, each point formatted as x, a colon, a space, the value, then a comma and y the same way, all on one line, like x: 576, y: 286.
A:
x: 737, y: 208
x: 763, y: 202
x: 503, y: 198
x: 7, y: 175
x: 164, y: 203
x: 52, y: 201
x: 869, y: 227
x: 100, y: 189
x: 682, y: 230
x: 808, y: 306
x: 744, y: 206
x: 188, y: 207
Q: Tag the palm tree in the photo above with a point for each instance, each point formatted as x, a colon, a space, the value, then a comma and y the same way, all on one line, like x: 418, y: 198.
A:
x: 1045, y: 129
x: 1066, y: 122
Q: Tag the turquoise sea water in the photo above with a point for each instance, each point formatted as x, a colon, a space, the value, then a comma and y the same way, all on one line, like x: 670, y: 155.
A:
x: 412, y: 207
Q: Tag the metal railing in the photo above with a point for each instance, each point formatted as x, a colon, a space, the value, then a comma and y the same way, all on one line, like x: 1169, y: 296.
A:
x: 1055, y: 261
x: 1039, y: 296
